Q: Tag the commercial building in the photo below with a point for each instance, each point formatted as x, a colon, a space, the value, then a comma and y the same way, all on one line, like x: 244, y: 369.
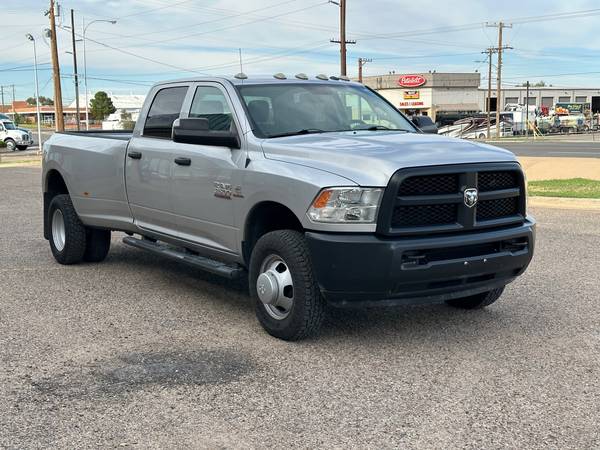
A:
x: 430, y: 93
x: 546, y: 96
x: 450, y: 96
x: 131, y: 104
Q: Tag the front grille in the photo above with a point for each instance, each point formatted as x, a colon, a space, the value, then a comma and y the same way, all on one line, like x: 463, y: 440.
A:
x: 429, y: 185
x: 411, y: 216
x: 498, y: 208
x: 494, y: 181
x: 432, y: 200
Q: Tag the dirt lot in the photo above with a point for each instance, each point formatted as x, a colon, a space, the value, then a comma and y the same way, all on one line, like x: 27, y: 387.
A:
x: 146, y: 353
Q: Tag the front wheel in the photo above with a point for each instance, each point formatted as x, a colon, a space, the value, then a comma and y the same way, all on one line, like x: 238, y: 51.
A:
x: 477, y: 301
x: 288, y: 302
x: 11, y: 145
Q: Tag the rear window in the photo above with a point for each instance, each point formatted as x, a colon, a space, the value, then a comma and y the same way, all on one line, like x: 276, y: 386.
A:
x: 165, y: 109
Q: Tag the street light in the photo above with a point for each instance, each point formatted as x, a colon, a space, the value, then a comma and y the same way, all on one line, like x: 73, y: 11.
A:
x: 37, y: 92
x: 85, y: 27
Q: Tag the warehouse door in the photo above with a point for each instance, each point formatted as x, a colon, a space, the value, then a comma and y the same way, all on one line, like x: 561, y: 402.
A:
x: 595, y: 104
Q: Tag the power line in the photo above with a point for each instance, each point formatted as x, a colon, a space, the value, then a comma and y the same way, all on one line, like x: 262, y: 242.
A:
x: 166, y: 30
x: 152, y: 10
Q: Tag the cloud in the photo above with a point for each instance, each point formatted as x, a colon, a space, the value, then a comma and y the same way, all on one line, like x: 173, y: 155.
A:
x: 153, y: 39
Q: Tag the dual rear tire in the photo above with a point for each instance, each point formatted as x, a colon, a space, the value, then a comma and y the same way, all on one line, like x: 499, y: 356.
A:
x: 70, y: 241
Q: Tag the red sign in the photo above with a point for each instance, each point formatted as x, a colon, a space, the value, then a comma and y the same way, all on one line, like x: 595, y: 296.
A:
x: 411, y: 80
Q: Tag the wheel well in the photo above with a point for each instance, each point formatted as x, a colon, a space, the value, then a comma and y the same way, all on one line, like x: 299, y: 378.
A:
x: 55, y: 185
x: 264, y: 218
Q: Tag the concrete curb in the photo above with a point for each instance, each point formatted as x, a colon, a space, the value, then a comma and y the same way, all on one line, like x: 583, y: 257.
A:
x: 588, y: 204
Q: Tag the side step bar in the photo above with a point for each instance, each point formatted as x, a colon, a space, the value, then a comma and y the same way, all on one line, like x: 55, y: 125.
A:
x: 230, y: 271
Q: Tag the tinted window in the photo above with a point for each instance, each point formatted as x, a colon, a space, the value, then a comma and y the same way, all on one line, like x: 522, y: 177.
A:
x: 210, y: 103
x: 165, y: 108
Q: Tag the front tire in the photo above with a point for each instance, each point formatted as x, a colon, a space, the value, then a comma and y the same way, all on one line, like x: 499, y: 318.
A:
x: 67, y: 233
x: 477, y: 301
x: 11, y: 145
x: 288, y: 302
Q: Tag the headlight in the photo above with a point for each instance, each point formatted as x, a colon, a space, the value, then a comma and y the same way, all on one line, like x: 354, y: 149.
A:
x: 346, y: 205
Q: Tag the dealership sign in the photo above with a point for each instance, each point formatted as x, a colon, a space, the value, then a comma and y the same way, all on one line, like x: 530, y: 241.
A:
x: 411, y: 104
x: 411, y: 95
x: 411, y: 81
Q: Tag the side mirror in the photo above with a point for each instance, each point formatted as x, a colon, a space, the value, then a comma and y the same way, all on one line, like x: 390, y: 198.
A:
x: 425, y: 124
x: 196, y: 131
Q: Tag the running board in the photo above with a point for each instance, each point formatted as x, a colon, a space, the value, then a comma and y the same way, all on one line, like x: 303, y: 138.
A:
x: 230, y: 271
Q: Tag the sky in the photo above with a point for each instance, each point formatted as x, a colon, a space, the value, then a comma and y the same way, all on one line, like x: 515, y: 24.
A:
x: 153, y: 40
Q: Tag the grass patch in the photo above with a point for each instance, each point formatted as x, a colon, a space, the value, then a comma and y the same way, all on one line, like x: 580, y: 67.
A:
x: 573, y: 187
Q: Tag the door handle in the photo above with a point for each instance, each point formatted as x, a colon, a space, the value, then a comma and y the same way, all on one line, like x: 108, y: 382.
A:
x: 180, y: 161
x: 135, y: 155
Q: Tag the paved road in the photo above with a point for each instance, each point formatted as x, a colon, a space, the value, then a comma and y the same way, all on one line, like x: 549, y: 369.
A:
x: 557, y: 149
x: 144, y: 352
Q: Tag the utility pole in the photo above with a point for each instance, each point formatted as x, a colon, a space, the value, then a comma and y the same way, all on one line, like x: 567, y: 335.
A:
x: 527, y: 113
x: 490, y: 51
x: 361, y: 64
x: 342, y: 40
x: 13, y: 101
x: 500, y: 25
x: 2, y: 94
x: 58, y: 106
x: 75, y: 75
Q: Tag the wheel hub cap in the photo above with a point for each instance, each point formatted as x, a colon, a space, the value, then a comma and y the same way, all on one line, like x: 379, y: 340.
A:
x: 58, y: 230
x: 275, y: 287
x: 267, y: 287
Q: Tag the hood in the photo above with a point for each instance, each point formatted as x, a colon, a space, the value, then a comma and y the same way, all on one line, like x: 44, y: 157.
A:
x: 370, y: 158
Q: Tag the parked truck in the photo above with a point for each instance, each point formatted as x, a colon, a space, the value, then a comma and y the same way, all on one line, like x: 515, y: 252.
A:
x: 13, y: 137
x: 318, y: 191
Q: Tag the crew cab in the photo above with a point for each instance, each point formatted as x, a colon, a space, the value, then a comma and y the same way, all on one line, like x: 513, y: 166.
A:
x: 13, y: 137
x: 318, y: 191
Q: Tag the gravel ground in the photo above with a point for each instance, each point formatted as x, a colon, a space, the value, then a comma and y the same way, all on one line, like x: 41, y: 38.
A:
x: 142, y: 352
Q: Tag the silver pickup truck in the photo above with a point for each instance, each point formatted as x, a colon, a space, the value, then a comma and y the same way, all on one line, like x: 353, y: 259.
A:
x: 317, y: 190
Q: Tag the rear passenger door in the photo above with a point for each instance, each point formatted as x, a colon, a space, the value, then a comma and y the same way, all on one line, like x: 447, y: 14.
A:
x: 149, y: 163
x: 204, y: 188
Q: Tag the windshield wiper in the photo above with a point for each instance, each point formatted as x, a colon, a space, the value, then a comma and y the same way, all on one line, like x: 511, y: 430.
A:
x: 297, y: 133
x: 379, y: 127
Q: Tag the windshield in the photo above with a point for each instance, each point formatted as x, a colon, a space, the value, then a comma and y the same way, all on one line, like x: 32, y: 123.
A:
x: 9, y: 125
x: 288, y: 109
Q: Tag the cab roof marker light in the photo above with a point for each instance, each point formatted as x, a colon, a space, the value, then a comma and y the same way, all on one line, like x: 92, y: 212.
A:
x: 322, y: 76
x: 280, y: 76
x: 344, y: 78
x: 334, y: 78
x: 241, y: 76
x: 302, y: 76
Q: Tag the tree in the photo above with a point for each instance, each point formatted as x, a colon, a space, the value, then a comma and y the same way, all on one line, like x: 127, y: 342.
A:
x: 101, y: 106
x: 126, y: 121
x: 541, y: 83
x: 44, y: 101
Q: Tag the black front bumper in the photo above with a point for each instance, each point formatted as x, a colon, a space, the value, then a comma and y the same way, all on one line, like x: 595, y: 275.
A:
x: 363, y: 269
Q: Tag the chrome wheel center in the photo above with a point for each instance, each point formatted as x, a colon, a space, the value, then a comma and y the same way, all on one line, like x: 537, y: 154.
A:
x: 275, y: 287
x: 58, y: 230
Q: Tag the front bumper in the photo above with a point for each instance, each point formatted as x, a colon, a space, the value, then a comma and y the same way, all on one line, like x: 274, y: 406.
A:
x: 27, y: 142
x: 363, y: 269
